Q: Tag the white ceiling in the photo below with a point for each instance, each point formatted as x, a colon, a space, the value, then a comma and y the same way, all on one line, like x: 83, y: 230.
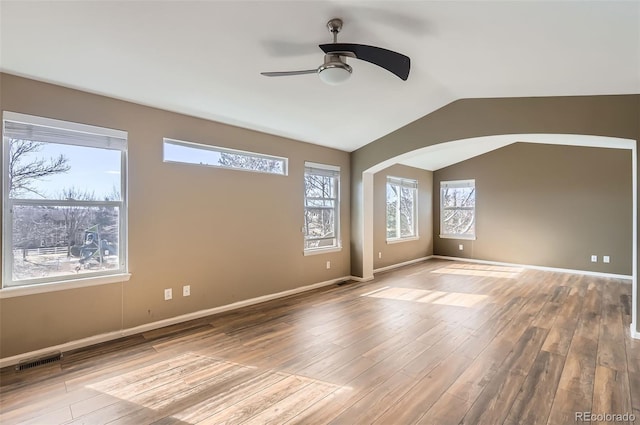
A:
x: 204, y: 58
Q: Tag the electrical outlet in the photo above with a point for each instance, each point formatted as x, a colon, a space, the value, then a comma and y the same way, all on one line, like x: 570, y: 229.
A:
x: 186, y: 290
x: 328, y: 265
x: 606, y: 259
x: 168, y: 294
x: 594, y: 258
x: 379, y: 254
x: 460, y: 247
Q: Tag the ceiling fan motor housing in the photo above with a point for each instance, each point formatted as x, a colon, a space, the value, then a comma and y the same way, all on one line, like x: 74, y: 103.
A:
x: 334, y: 70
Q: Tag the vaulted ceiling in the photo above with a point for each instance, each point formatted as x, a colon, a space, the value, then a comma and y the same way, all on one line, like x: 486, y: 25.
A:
x: 204, y: 58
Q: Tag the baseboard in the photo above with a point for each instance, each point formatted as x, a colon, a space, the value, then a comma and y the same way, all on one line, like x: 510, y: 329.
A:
x: 634, y: 334
x: 362, y: 279
x: 405, y: 263
x: 109, y: 336
x: 527, y: 266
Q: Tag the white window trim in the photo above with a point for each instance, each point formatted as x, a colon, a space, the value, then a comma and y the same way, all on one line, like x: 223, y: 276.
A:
x: 66, y: 125
x: 456, y: 184
x: 400, y: 240
x: 309, y: 164
x: 219, y: 149
x: 35, y: 286
x: 62, y: 285
x: 411, y: 184
x: 338, y: 247
x: 461, y: 237
x: 327, y: 250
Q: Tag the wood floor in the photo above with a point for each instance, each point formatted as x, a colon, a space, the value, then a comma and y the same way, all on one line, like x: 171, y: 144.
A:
x: 438, y: 342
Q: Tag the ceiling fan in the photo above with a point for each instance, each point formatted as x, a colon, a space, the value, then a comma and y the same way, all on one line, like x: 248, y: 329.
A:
x: 335, y: 69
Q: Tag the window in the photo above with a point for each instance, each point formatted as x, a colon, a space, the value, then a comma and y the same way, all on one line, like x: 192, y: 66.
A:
x: 458, y: 209
x: 402, y: 205
x: 64, y: 203
x: 213, y: 156
x: 321, y: 207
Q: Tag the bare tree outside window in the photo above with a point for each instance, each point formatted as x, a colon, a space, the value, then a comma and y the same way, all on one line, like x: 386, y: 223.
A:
x: 401, y: 208
x: 75, y: 217
x: 248, y: 162
x: 215, y: 156
x: 457, y: 215
x: 24, y: 171
x: 320, y: 212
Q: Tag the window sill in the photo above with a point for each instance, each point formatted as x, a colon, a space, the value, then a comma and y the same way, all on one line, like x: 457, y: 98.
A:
x: 400, y: 240
x: 18, y: 291
x: 466, y: 238
x: 322, y: 250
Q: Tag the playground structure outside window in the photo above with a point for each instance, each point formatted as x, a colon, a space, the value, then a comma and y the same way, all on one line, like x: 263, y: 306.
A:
x: 64, y: 203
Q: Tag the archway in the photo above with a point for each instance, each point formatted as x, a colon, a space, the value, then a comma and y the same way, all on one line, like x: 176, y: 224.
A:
x: 441, y: 154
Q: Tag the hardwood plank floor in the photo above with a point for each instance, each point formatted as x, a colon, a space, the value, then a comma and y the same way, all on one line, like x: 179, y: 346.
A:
x: 438, y: 342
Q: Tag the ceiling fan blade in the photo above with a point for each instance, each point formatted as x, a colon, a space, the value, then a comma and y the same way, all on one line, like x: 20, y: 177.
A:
x: 394, y: 62
x: 286, y: 73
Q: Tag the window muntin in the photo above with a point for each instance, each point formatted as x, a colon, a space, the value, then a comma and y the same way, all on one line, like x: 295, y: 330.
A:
x: 402, y: 206
x: 458, y: 209
x: 214, y: 156
x: 321, y: 206
x: 64, y: 211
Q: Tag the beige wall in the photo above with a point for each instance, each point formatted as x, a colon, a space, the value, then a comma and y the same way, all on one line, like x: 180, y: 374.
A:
x: 547, y: 205
x: 396, y: 253
x: 237, y: 260
x: 231, y: 235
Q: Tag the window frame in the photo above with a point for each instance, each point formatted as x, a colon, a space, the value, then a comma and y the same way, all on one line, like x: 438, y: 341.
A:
x: 219, y: 149
x: 457, y: 184
x: 84, y: 136
x: 406, y: 183
x: 323, y: 169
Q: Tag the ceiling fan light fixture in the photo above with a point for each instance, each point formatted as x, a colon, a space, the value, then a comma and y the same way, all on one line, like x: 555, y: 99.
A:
x: 334, y: 73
